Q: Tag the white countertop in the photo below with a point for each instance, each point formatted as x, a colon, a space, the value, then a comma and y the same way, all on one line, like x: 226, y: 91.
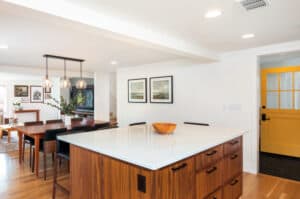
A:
x: 141, y: 146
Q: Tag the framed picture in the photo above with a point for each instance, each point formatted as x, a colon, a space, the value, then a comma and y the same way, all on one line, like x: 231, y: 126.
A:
x: 36, y: 94
x: 21, y: 91
x: 137, y: 90
x: 161, y: 89
x: 47, y: 90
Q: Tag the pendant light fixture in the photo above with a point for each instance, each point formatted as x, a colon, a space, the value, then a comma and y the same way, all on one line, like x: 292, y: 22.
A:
x: 65, y: 82
x: 47, y: 83
x: 81, y: 83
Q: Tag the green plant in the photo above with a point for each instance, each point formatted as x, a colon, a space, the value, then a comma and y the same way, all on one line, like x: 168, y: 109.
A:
x: 65, y: 107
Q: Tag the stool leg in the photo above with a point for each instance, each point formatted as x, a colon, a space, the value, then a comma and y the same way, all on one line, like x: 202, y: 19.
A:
x: 54, y: 177
x: 33, y: 159
x: 23, y: 150
x: 45, y: 166
x: 30, y: 157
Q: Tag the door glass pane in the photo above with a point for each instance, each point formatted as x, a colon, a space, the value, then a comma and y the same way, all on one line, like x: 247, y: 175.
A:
x: 286, y: 100
x: 286, y: 81
x: 297, y: 80
x: 272, y: 100
x: 272, y: 81
x: 297, y: 100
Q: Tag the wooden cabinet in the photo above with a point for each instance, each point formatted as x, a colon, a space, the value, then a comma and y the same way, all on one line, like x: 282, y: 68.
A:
x: 209, y: 157
x: 213, y: 174
x: 210, y: 179
x: 233, y: 190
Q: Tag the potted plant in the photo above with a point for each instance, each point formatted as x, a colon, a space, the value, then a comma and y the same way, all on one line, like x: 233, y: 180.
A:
x: 17, y: 105
x: 67, y: 108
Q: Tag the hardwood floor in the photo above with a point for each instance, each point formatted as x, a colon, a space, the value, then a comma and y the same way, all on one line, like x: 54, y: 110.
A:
x: 17, y: 182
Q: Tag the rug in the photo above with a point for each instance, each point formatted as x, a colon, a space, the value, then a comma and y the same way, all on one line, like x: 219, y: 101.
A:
x: 12, y: 146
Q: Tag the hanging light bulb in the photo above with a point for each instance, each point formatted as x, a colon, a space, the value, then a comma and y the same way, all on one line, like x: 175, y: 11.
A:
x: 65, y: 83
x: 47, y: 83
x: 81, y: 83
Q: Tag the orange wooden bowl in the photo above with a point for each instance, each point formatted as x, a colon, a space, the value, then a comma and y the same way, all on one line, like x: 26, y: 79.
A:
x: 164, y: 128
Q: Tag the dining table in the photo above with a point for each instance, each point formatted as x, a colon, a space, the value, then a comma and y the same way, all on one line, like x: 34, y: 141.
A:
x: 38, y: 132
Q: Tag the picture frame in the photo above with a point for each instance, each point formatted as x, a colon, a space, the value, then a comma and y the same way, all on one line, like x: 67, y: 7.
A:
x: 21, y: 91
x: 36, y: 94
x: 47, y: 90
x: 161, y: 90
x: 137, y: 90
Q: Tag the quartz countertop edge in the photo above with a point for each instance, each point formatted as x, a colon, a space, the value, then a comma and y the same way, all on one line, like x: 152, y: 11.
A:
x: 153, y: 159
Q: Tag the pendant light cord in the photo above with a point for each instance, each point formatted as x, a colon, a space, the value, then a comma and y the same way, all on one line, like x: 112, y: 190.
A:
x: 47, y: 68
x: 81, y: 70
x: 65, y: 70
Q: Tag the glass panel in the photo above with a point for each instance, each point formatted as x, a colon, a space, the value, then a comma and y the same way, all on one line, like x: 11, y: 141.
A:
x: 297, y: 80
x: 272, y: 100
x: 297, y: 100
x: 286, y: 100
x: 272, y: 81
x: 286, y: 81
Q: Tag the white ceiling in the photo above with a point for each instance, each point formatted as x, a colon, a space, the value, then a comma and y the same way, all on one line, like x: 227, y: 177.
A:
x: 277, y: 23
x: 30, y: 34
x: 171, y: 29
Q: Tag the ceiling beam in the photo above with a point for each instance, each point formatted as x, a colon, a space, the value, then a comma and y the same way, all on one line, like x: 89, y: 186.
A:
x: 120, y: 29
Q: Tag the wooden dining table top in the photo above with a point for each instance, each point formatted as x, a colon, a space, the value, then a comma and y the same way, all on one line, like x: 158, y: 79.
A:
x: 41, y: 129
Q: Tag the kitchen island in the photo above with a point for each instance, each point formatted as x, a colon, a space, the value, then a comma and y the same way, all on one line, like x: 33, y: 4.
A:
x: 196, y: 162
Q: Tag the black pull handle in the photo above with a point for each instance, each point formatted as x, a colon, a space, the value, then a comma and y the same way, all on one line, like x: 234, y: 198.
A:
x: 141, y: 183
x: 234, y: 142
x: 234, y: 156
x: 264, y: 117
x: 215, y: 197
x: 234, y: 182
x: 179, y: 167
x: 211, y: 170
x: 211, y: 153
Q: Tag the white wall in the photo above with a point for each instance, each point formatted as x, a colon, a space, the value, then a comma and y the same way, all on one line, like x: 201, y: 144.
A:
x: 46, y: 112
x: 102, y: 95
x: 113, y: 93
x: 225, y: 93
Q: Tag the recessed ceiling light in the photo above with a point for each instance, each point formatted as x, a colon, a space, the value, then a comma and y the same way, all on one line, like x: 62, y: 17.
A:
x: 213, y: 13
x: 248, y: 36
x: 3, y: 46
x: 113, y: 62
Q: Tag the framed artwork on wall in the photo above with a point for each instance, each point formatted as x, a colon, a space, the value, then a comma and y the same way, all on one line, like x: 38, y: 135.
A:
x: 47, y: 90
x: 137, y: 90
x: 161, y: 89
x: 36, y: 94
x: 21, y: 91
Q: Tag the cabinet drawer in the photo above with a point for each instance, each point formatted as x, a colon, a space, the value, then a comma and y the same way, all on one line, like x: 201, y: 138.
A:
x: 233, y: 165
x: 209, y: 180
x: 233, y: 190
x: 209, y: 157
x: 215, y: 195
x: 232, y: 146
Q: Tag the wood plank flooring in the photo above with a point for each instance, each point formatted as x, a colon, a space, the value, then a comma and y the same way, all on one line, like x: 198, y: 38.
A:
x: 17, y: 182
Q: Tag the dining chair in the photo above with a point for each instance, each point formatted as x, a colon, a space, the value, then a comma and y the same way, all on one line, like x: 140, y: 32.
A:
x: 54, y: 121
x: 99, y: 127
x: 30, y: 141
x: 48, y: 145
x: 137, y: 123
x: 62, y: 152
x: 80, y: 129
x: 196, y: 123
x: 77, y: 119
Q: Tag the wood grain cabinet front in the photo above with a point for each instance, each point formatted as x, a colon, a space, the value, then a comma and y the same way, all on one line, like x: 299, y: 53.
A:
x: 233, y: 190
x: 208, y: 180
x: 232, y: 146
x: 209, y: 157
x: 216, y: 195
x: 233, y: 165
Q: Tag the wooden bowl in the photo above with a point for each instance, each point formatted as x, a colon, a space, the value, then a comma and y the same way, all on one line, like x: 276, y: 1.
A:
x: 164, y: 128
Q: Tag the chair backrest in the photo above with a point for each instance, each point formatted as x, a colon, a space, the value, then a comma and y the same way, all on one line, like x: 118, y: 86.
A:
x: 80, y: 129
x: 52, y: 133
x: 196, y: 123
x: 77, y: 119
x: 99, y: 127
x: 33, y: 123
x: 54, y: 121
x: 137, y: 123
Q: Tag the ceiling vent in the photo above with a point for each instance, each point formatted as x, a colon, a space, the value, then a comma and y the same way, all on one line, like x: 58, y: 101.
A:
x: 254, y: 4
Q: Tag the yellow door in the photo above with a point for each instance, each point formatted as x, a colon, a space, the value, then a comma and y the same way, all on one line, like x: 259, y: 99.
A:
x: 280, y: 112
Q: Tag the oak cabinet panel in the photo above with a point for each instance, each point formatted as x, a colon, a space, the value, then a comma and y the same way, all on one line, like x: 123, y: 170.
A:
x: 233, y: 145
x: 209, y: 157
x: 233, y: 165
x: 209, y: 180
x: 216, y: 195
x: 233, y: 190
